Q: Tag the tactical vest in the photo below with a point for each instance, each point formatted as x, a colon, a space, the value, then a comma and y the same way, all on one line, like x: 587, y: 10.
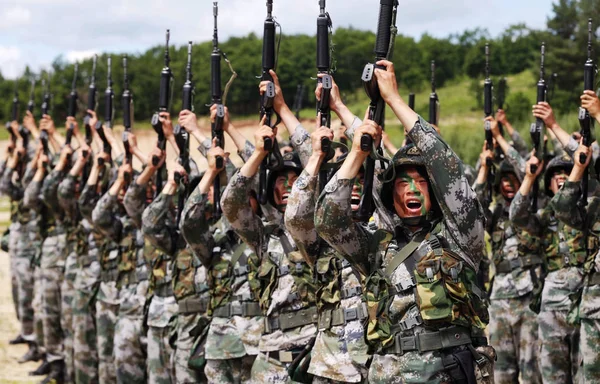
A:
x: 109, y: 261
x: 234, y: 265
x: 14, y: 210
x: 185, y: 280
x: 132, y: 263
x: 566, y: 247
x: 528, y: 246
x: 280, y: 260
x: 161, y: 276
x: 444, y: 287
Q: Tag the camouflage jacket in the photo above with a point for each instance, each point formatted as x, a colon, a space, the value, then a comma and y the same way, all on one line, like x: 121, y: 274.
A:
x: 564, y: 204
x: 280, y: 292
x: 563, y: 248
x: 98, y: 243
x: 461, y: 232
x: 230, y: 284
x: 339, y: 286
x: 159, y: 227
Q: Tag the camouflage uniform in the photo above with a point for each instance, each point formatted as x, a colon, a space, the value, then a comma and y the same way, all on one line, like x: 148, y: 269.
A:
x: 189, y: 283
x: 161, y: 305
x: 129, y: 343
x: 237, y: 321
x: 340, y: 353
x: 400, y: 305
x: 587, y: 299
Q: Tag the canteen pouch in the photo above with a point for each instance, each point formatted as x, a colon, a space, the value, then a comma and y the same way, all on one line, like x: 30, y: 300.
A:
x: 298, y: 369
x: 378, y: 300
x: 197, y: 359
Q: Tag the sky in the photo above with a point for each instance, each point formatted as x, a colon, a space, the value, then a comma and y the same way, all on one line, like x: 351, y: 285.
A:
x: 35, y: 32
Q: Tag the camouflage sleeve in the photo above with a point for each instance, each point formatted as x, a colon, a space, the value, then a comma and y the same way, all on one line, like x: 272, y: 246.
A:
x: 8, y: 188
x: 565, y: 205
x: 104, y: 218
x: 522, y: 218
x: 238, y: 212
x: 559, y: 151
x: 301, y: 143
x: 28, y: 176
x: 195, y: 228
x: 333, y: 221
x: 571, y: 147
x: 154, y: 225
x: 31, y: 198
x: 516, y: 160
x: 87, y: 201
x: 247, y: 151
x: 205, y: 146
x: 66, y: 197
x: 50, y: 190
x: 349, y: 132
x: 518, y: 143
x: 300, y: 215
x: 462, y: 212
x: 135, y: 202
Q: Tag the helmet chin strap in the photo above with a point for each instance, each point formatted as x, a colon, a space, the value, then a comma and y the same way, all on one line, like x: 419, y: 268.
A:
x: 416, y: 221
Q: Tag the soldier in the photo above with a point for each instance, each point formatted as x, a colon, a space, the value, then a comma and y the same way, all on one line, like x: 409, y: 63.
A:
x: 516, y: 256
x: 129, y: 345
x: 439, y: 237
x: 189, y: 281
x: 564, y: 251
x: 340, y: 353
x: 237, y: 320
x: 585, y: 309
x: 160, y: 305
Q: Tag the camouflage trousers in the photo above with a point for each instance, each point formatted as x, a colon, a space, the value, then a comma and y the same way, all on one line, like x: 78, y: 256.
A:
x: 183, y: 373
x: 426, y: 367
x: 13, y: 240
x: 38, y: 322
x: 160, y: 356
x: 590, y: 351
x: 23, y: 270
x: 68, y: 296
x: 268, y: 370
x: 85, y: 350
x: 513, y: 332
x: 130, y: 342
x: 107, y: 309
x: 229, y: 371
x: 559, y: 354
x: 52, y: 279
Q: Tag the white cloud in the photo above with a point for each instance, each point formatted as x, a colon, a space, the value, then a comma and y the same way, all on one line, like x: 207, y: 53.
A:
x: 11, y: 64
x: 73, y: 56
x: 15, y: 17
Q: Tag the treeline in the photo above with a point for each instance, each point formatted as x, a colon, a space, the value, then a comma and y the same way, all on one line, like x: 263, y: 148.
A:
x: 456, y: 56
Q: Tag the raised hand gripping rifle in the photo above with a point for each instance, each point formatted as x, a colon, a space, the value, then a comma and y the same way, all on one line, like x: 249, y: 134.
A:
x: 126, y: 100
x: 434, y: 101
x: 164, y: 97
x: 585, y: 119
x: 47, y: 98
x: 487, y: 110
x: 45, y: 147
x: 182, y: 139
x: 384, y: 44
x: 274, y: 160
x: 31, y: 102
x: 217, y: 125
x: 536, y: 131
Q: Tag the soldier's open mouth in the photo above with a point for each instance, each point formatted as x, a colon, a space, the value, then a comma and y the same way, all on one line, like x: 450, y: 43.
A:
x: 414, y: 205
x: 561, y: 184
x: 284, y: 197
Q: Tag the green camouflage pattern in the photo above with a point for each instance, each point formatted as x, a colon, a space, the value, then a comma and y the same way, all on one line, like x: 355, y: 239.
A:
x: 159, y: 362
x: 558, y: 339
x: 298, y: 286
x: 340, y: 352
x: 513, y: 332
x: 38, y: 324
x: 183, y: 373
x: 107, y: 309
x: 590, y: 351
x: 230, y: 371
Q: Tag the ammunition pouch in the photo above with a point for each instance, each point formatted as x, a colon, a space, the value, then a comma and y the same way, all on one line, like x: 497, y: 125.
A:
x: 163, y: 290
x: 593, y: 279
x: 521, y: 262
x: 290, y: 320
x: 197, y: 359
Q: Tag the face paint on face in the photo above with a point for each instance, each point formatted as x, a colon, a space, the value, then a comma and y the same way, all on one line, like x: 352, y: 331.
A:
x: 509, y: 185
x: 411, y: 194
x: 283, y: 188
x: 557, y: 181
x: 357, y: 190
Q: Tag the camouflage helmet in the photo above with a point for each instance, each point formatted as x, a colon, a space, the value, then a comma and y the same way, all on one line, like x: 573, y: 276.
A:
x: 291, y: 162
x: 407, y: 156
x: 558, y: 163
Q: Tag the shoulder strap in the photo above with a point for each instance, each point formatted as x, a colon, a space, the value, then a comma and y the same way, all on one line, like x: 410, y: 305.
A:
x: 239, y: 251
x: 404, y: 254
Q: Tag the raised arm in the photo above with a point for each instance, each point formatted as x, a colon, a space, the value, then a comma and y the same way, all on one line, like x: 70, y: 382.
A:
x: 135, y: 197
x: 106, y: 212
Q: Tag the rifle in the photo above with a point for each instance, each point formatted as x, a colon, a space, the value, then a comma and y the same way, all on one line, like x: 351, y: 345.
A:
x: 536, y: 131
x: 46, y: 99
x: 109, y: 96
x: 183, y: 143
x: 45, y: 147
x: 411, y: 101
x: 126, y: 99
x: 487, y: 109
x: 217, y: 125
x: 434, y: 102
x: 73, y: 96
x: 163, y: 106
x: 585, y: 120
x: 384, y: 43
x: 86, y: 120
x: 31, y: 103
x: 298, y: 100
x: 274, y: 160
x: 501, y: 98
